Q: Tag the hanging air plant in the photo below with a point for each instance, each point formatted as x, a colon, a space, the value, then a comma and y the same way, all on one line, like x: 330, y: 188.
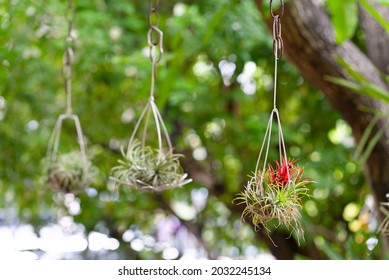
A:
x: 148, y: 169
x: 68, y: 173
x: 144, y: 166
x: 276, y: 194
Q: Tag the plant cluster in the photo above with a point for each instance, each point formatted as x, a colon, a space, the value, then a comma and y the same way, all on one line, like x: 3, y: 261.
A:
x: 276, y: 194
x: 148, y: 169
x: 68, y: 172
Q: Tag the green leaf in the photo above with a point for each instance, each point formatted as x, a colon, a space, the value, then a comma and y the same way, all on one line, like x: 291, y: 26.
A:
x: 383, y: 2
x: 362, y: 88
x: 365, y: 137
x: 370, y: 146
x: 361, y: 85
x: 344, y: 16
x: 353, y: 73
x: 380, y: 19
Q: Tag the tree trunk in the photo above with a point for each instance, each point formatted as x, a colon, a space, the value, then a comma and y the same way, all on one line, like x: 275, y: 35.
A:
x: 377, y: 39
x: 310, y: 45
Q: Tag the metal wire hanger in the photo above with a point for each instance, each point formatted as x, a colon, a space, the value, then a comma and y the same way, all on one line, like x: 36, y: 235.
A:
x: 147, y: 168
x: 275, y: 193
x: 67, y: 74
x: 278, y: 51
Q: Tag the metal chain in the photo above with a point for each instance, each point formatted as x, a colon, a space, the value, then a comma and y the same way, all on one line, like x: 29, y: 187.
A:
x: 68, y: 56
x: 155, y: 41
x: 278, y: 44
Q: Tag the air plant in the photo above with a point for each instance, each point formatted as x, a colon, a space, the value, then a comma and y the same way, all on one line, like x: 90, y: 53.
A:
x: 68, y: 172
x: 148, y: 169
x: 276, y: 194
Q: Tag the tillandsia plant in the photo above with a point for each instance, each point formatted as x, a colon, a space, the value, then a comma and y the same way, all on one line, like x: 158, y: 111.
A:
x: 148, y: 169
x: 276, y: 194
x: 68, y: 172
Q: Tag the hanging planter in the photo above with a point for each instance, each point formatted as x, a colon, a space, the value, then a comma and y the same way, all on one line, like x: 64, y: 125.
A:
x: 70, y: 172
x: 267, y: 200
x: 275, y: 192
x: 146, y: 167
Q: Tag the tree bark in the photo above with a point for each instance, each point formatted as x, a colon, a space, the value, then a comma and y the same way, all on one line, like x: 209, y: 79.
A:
x: 310, y: 45
x: 377, y: 39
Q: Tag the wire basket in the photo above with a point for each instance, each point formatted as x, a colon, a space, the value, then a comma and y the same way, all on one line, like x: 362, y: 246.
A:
x: 145, y: 167
x: 70, y: 172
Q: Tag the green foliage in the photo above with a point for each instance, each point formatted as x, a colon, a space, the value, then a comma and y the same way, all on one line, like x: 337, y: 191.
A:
x: 368, y: 142
x: 362, y: 86
x: 344, y: 16
x: 376, y: 15
x: 383, y: 2
x: 148, y: 169
x: 221, y: 118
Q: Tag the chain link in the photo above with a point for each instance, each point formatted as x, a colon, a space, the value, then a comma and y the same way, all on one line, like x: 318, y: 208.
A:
x: 154, y: 35
x: 155, y: 41
x: 278, y: 44
x: 68, y: 56
x: 153, y: 12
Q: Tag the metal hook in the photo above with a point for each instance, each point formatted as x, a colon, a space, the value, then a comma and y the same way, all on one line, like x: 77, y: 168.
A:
x: 281, y: 9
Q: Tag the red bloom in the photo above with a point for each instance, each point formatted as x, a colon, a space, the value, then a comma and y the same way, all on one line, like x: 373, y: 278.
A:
x: 283, y: 174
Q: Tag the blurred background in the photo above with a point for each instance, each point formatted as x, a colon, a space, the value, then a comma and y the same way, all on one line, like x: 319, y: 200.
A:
x: 214, y: 90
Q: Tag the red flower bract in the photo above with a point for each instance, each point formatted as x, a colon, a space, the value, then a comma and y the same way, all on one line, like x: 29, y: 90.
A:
x: 283, y: 174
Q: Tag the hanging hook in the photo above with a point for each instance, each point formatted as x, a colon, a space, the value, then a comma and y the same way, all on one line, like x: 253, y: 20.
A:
x: 282, y: 8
